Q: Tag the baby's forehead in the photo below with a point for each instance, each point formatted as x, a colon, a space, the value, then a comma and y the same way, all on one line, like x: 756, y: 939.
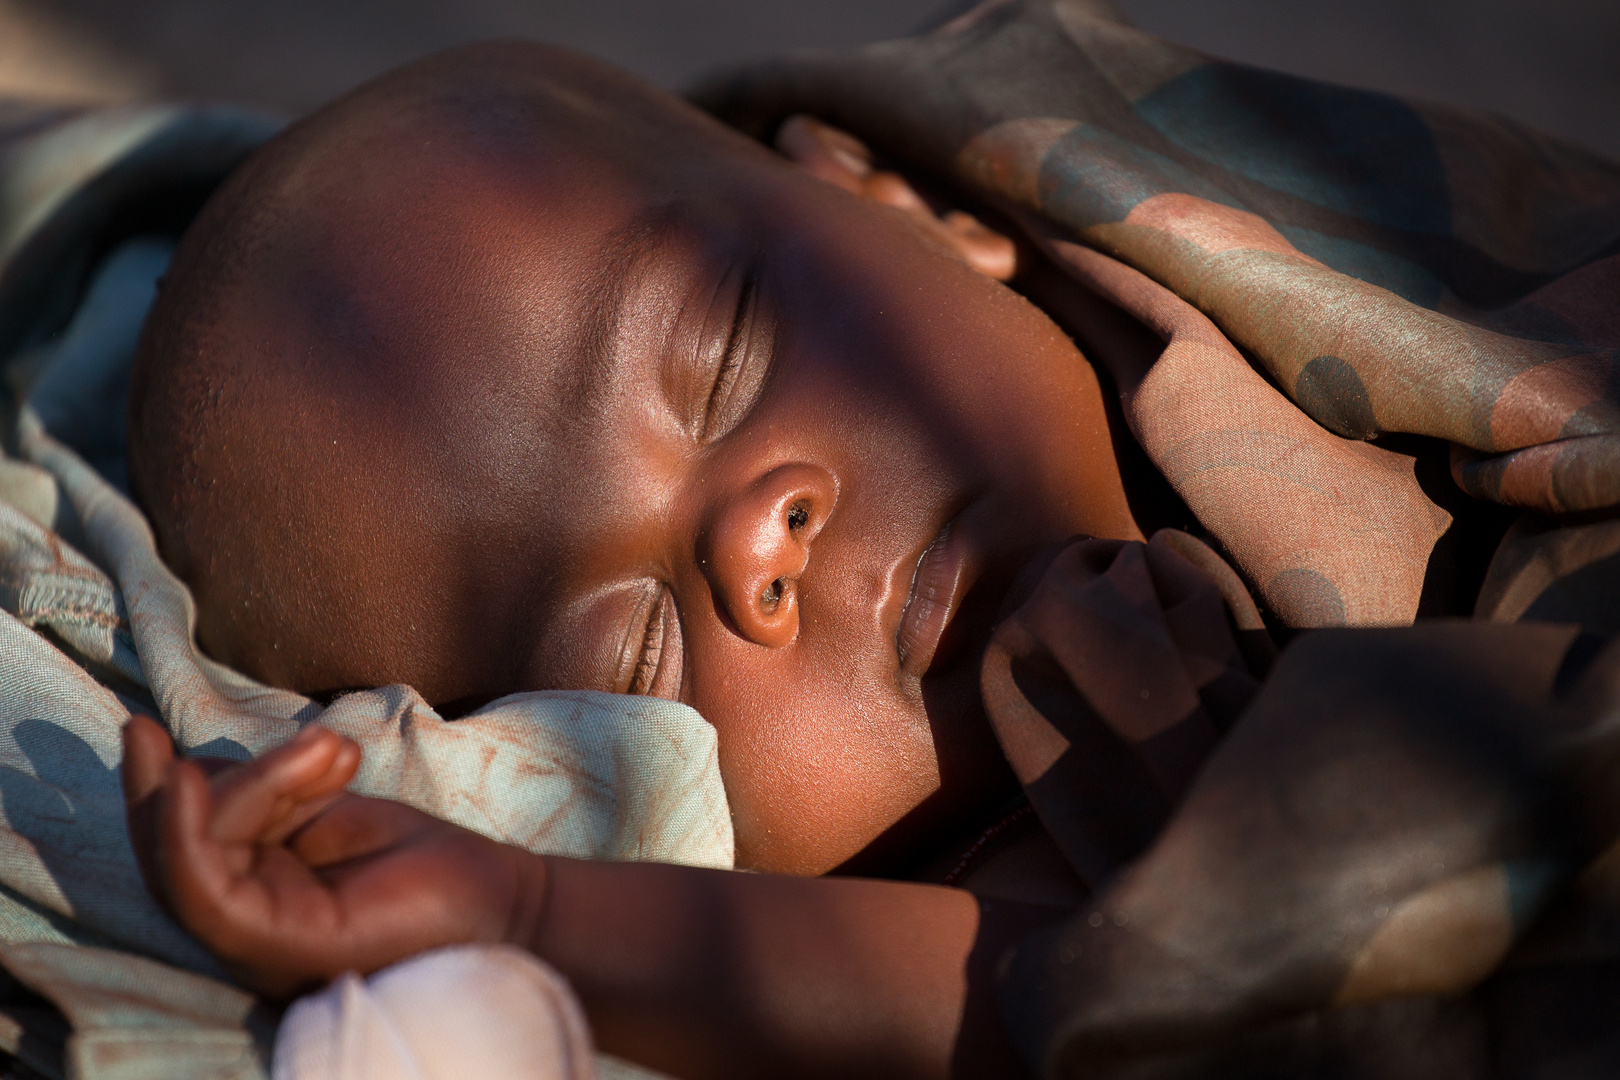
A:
x: 365, y: 336
x: 465, y: 287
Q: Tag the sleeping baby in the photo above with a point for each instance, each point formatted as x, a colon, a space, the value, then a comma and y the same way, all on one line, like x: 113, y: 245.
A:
x: 508, y: 373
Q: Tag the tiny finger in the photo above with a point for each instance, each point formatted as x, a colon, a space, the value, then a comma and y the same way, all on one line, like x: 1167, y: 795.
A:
x: 191, y: 862
x: 148, y: 757
x: 256, y: 797
x: 309, y: 802
x: 825, y: 152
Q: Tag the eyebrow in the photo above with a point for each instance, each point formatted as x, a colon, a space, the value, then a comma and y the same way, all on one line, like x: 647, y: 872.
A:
x: 620, y: 260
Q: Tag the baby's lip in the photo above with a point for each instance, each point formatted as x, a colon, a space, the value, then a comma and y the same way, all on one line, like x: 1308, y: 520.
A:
x: 945, y: 571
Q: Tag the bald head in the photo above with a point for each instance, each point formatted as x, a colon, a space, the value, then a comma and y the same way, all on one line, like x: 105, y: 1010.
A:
x: 348, y: 401
x: 509, y: 373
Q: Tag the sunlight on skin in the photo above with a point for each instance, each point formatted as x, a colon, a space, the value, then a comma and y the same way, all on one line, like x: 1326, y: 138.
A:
x: 797, y: 393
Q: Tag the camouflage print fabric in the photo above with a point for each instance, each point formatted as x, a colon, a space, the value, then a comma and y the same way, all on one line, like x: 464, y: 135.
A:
x: 1347, y: 329
x: 1391, y: 853
x: 1324, y: 267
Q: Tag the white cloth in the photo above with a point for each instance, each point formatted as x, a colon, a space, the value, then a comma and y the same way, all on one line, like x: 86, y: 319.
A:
x: 467, y: 1012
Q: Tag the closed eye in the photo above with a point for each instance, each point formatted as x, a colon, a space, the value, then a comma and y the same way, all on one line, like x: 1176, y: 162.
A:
x: 740, y: 374
x: 661, y: 658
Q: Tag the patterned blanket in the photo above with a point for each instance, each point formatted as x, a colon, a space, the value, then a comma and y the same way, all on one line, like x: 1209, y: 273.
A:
x: 1360, y: 337
x: 96, y: 981
x: 1326, y: 269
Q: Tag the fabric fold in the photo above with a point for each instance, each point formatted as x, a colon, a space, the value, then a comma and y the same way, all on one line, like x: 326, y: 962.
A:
x: 1109, y: 685
x: 94, y: 626
x: 1386, y: 267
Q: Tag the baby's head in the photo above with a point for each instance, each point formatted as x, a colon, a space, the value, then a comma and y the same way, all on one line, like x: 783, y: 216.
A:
x: 508, y: 372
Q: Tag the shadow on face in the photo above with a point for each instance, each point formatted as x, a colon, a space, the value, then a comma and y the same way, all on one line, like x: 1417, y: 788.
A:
x: 508, y: 373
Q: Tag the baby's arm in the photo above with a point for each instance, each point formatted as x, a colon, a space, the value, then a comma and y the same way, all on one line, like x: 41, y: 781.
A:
x: 290, y: 881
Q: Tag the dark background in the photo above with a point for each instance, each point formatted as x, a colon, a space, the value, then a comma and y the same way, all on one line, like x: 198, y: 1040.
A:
x: 1554, y: 63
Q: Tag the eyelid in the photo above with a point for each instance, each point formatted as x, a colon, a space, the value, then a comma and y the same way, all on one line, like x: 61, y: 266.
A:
x: 745, y: 358
x: 658, y: 653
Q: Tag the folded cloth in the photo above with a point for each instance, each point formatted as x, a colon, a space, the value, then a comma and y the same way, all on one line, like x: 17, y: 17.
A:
x: 94, y: 626
x: 468, y: 1012
x: 1389, y: 267
x: 1398, y: 855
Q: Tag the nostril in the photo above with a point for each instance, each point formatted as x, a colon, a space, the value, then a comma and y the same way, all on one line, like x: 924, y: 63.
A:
x: 755, y: 548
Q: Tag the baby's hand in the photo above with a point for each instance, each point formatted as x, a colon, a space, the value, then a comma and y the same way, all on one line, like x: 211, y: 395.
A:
x: 290, y: 880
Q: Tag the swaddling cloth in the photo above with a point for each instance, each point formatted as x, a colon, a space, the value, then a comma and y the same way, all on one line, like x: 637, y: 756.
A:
x: 579, y: 774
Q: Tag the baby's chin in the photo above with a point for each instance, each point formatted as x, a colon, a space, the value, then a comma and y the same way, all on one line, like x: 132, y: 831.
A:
x: 973, y: 778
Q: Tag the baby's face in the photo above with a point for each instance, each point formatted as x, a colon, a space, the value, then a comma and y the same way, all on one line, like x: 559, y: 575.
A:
x: 805, y: 458
x: 730, y: 435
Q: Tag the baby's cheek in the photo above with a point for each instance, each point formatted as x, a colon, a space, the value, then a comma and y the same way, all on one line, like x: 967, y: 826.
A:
x: 817, y: 767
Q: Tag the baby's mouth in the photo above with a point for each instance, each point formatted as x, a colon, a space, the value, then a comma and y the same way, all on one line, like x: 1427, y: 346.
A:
x: 943, y: 576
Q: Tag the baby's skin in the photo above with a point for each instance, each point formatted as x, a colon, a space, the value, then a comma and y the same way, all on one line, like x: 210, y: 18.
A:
x: 509, y: 373
x: 704, y: 973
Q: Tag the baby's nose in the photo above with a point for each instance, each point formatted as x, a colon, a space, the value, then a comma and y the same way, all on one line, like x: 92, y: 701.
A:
x: 758, y: 545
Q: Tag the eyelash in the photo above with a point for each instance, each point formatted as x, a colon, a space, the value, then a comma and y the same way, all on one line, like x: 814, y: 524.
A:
x: 661, y: 634
x: 732, y: 359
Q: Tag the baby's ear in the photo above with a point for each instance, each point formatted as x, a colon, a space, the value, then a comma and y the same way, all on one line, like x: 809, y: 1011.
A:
x: 843, y: 160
